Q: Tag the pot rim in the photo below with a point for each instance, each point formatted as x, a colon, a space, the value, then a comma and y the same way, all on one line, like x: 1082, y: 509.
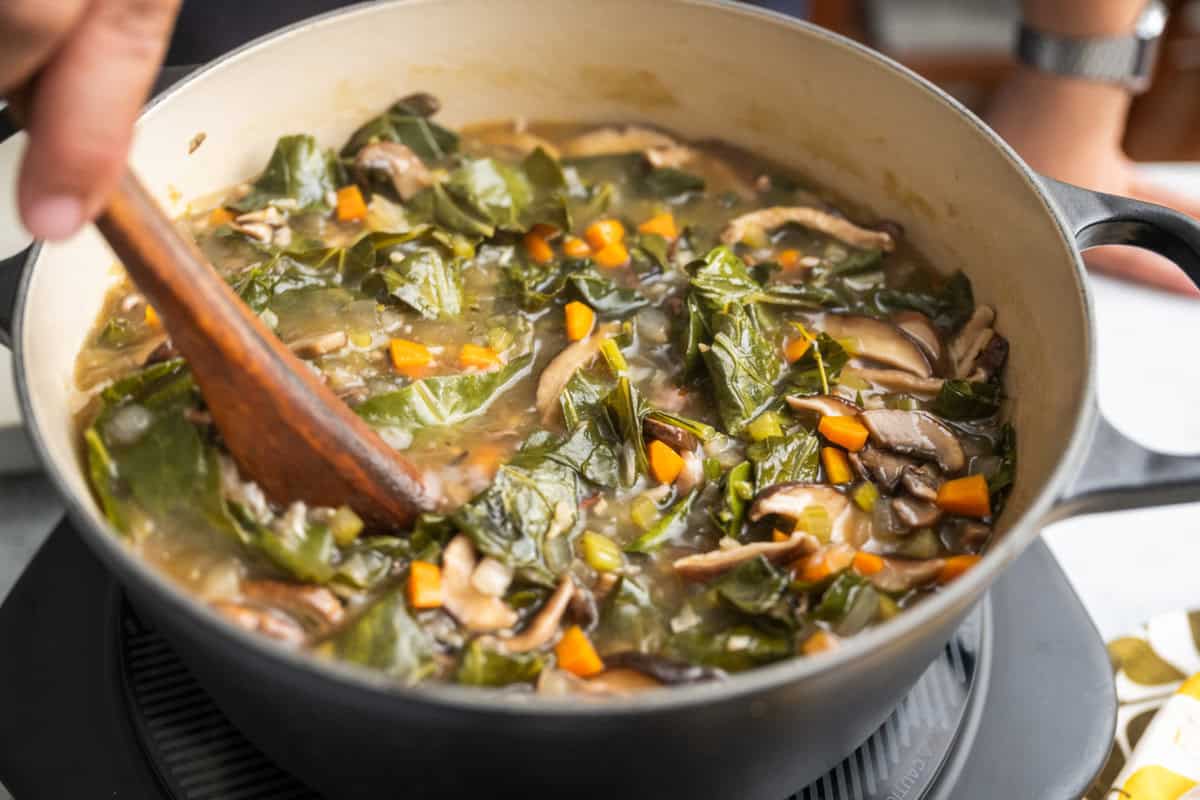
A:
x: 373, y: 684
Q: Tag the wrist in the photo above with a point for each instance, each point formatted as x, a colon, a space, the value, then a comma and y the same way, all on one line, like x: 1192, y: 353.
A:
x: 1083, y: 18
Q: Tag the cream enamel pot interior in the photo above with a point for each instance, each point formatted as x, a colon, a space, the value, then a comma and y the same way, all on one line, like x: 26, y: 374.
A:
x: 842, y: 114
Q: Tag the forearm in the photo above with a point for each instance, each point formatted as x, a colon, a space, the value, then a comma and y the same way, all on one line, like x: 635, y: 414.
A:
x: 1043, y: 114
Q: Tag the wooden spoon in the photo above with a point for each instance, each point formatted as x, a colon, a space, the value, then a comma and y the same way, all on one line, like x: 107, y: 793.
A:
x: 285, y: 429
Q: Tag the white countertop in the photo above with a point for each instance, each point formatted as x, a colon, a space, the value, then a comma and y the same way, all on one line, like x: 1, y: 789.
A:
x: 1127, y: 567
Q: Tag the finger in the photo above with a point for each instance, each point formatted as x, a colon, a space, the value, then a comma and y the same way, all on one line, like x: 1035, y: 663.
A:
x: 84, y: 106
x: 30, y: 30
x: 1141, y: 266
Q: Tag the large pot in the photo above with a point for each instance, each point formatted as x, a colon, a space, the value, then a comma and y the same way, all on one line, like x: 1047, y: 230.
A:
x: 845, y: 115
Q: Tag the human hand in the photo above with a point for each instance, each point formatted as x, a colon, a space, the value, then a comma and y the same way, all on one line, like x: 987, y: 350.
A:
x: 89, y: 65
x: 1071, y: 130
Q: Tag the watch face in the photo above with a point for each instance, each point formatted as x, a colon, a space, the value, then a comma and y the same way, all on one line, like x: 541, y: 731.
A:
x: 1153, y: 21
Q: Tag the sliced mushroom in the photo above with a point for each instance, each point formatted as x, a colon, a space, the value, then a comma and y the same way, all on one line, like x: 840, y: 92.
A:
x: 900, y: 575
x: 824, y: 404
x: 562, y: 367
x: 692, y: 474
x: 922, y: 482
x: 921, y: 329
x: 491, y: 577
x: 879, y: 341
x: 613, y: 141
x: 704, y: 566
x: 663, y: 670
x: 896, y: 380
x: 839, y: 228
x: 677, y: 438
x: 790, y: 500
x: 543, y: 627
x: 319, y: 344
x: 916, y: 513
x: 672, y: 156
x: 264, y: 621
x: 992, y: 359
x: 314, y: 605
x: 403, y: 168
x: 915, y: 433
x: 885, y: 468
x: 479, y: 612
x: 971, y: 339
x: 259, y: 231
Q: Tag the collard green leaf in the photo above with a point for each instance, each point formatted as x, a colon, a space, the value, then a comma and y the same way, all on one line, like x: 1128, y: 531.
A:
x: 589, y: 450
x: 742, y: 366
x: 147, y: 460
x: 949, y: 306
x: 735, y: 648
x: 695, y: 333
x: 782, y: 459
x: 630, y: 620
x: 306, y: 551
x: 850, y: 603
x: 548, y: 184
x: 533, y: 496
x: 386, y: 638
x: 668, y: 527
x: 705, y: 433
x: 484, y: 666
x: 425, y: 279
x: 369, y: 560
x: 1003, y: 478
x: 804, y: 376
x: 401, y: 123
x: 585, y: 393
x: 492, y: 190
x: 603, y: 295
x: 964, y: 400
x: 723, y: 280
x: 737, y: 489
x: 626, y: 408
x: 299, y: 170
x: 442, y: 400
x: 753, y: 587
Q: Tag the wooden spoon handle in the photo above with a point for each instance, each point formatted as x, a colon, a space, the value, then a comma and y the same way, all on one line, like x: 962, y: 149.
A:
x: 283, y: 426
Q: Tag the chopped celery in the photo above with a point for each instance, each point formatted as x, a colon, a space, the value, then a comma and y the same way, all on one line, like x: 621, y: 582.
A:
x: 712, y: 469
x: 814, y: 520
x: 362, y: 339
x: 851, y: 381
x: 902, y: 402
x: 643, y: 511
x: 764, y: 426
x: 600, y: 552
x: 345, y: 526
x: 499, y: 338
x: 888, y: 608
x: 865, y: 495
x: 614, y: 358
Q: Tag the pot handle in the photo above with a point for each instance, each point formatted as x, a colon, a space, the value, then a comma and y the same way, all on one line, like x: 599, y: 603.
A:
x: 1118, y: 473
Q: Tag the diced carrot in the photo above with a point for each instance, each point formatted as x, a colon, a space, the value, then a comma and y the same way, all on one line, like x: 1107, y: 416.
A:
x: 820, y: 642
x: 867, y: 563
x: 661, y: 224
x: 837, y: 467
x: 603, y: 232
x: 796, y: 348
x: 409, y: 358
x: 576, y: 654
x: 486, y: 457
x: 613, y: 255
x: 665, y: 463
x: 779, y: 536
x: 350, y: 204
x: 825, y: 563
x: 580, y: 319
x: 846, y: 431
x: 968, y: 496
x: 538, y: 248
x: 788, y: 259
x: 219, y: 216
x: 955, y: 566
x: 473, y: 355
x: 152, y: 318
x: 576, y: 247
x: 424, y: 585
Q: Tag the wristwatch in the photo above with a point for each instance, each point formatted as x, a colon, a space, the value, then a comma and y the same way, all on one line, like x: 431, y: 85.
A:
x: 1127, y: 61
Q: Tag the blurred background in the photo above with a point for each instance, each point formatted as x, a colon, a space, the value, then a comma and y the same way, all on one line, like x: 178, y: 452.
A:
x: 963, y: 45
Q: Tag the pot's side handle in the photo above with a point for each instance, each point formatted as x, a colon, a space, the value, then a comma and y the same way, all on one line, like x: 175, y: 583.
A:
x: 1119, y: 473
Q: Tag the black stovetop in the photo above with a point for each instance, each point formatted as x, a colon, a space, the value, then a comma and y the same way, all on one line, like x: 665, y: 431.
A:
x: 94, y: 704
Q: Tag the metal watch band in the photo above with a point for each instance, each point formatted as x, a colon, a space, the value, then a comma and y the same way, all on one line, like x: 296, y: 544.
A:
x: 1127, y: 61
